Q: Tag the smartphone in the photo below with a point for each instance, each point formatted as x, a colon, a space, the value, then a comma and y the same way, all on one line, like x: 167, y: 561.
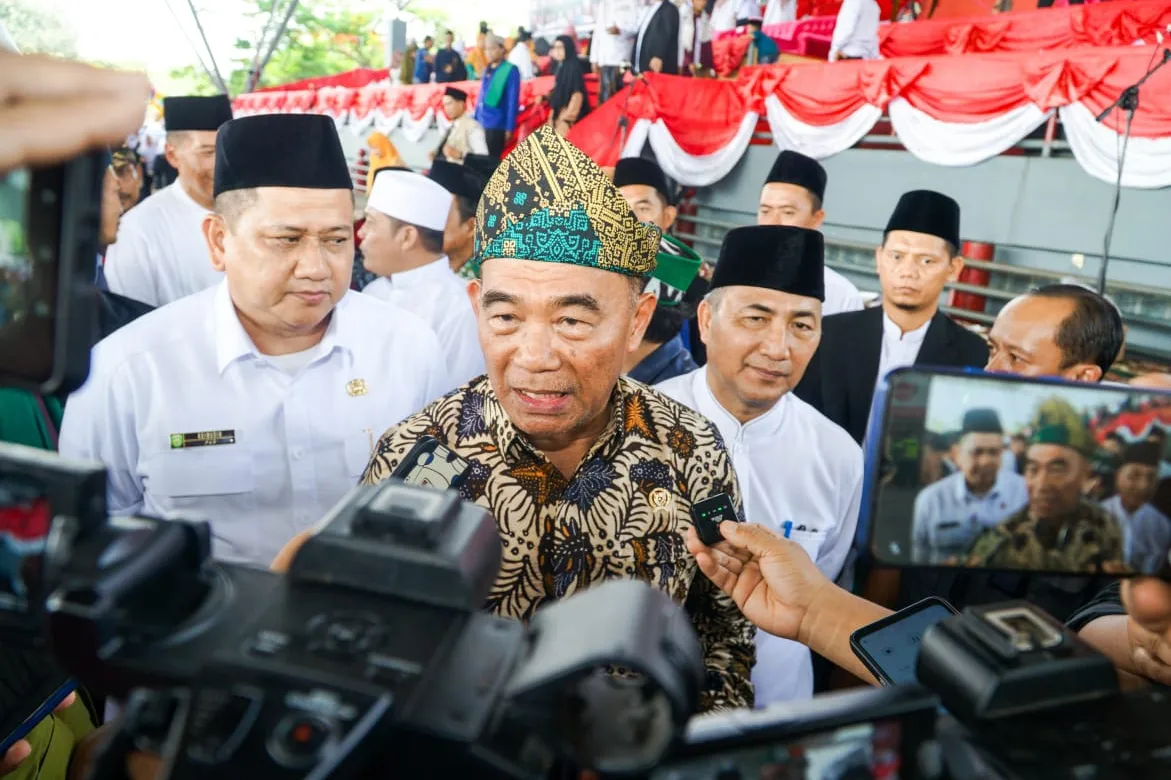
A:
x: 709, y: 513
x: 48, y: 255
x: 889, y: 648
x: 432, y: 464
x: 31, y: 687
x: 990, y: 472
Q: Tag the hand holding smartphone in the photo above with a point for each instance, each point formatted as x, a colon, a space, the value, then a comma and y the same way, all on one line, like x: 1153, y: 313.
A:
x: 889, y: 648
x: 13, y: 749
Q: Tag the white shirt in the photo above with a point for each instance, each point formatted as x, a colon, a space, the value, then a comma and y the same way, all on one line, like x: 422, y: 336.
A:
x: 612, y: 51
x: 899, y: 349
x: 290, y: 446
x: 160, y: 255
x: 840, y: 294
x: 440, y: 298
x: 724, y: 16
x: 948, y: 517
x: 522, y: 58
x: 778, y: 11
x: 800, y: 474
x: 748, y: 9
x: 1146, y: 534
x: 856, y: 30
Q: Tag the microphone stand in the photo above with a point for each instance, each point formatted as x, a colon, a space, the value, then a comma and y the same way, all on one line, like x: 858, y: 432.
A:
x: 1128, y: 102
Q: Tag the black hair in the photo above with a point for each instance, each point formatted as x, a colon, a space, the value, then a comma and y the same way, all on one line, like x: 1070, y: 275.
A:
x: 667, y: 321
x: 432, y: 240
x: 466, y: 206
x: 1092, y: 333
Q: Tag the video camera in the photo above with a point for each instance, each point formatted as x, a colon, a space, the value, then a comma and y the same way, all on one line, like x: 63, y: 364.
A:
x: 371, y: 653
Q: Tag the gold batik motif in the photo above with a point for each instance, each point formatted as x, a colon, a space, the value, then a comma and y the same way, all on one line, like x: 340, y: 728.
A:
x: 548, y: 201
x: 621, y: 516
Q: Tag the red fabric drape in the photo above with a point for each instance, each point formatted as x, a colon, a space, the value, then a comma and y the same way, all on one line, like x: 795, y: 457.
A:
x: 702, y: 116
x: 1101, y: 24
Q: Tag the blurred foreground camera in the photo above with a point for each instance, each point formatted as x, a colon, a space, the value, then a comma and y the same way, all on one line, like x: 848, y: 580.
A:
x: 371, y: 653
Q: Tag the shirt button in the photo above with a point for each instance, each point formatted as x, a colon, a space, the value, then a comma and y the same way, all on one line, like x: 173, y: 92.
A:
x: 297, y: 453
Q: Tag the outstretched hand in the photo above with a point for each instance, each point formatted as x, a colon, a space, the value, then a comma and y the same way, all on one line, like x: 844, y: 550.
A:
x: 772, y: 579
x: 1148, y: 605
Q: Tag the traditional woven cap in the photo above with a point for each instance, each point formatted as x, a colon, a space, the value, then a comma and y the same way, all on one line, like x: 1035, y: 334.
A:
x: 549, y: 202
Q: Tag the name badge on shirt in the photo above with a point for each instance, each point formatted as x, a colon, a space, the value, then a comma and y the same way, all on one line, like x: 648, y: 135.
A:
x: 203, y: 439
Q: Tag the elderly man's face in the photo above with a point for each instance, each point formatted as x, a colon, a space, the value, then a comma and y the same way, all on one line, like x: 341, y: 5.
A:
x: 288, y: 256
x: 759, y: 343
x: 555, y: 338
x: 1054, y: 476
x: 493, y: 50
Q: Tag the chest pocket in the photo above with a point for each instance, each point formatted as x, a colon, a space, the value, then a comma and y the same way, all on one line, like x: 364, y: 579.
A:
x: 953, y: 537
x: 201, y: 471
x: 809, y: 538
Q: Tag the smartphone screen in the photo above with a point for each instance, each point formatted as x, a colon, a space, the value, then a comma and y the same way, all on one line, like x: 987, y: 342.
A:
x: 894, y: 648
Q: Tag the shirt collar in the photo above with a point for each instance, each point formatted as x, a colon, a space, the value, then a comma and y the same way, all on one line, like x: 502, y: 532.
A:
x: 892, y: 332
x: 655, y: 363
x: 515, y: 446
x: 187, y: 200
x: 711, y: 408
x: 421, y: 275
x: 232, y: 342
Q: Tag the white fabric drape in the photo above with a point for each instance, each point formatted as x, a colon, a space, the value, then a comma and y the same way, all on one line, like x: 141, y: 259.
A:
x: 818, y: 141
x: 1096, y: 148
x: 687, y: 169
x: 956, y: 144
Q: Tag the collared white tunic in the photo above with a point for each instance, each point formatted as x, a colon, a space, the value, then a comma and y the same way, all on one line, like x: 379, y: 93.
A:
x: 800, y: 474
x: 193, y: 422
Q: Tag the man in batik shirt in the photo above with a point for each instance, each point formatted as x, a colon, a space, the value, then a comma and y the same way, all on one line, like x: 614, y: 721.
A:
x: 590, y: 476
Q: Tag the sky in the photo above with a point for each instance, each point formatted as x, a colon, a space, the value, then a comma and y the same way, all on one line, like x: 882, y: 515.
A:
x: 144, y: 33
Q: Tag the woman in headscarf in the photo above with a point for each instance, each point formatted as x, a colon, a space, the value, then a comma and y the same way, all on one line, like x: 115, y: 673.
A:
x: 568, y: 101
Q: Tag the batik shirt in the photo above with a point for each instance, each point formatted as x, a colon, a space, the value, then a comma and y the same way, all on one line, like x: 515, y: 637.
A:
x: 1087, y: 539
x: 622, y: 515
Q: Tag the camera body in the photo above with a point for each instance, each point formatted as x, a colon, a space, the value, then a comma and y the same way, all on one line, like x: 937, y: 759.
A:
x: 372, y: 648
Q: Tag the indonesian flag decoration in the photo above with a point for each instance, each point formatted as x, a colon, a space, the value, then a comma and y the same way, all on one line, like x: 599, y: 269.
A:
x: 951, y: 111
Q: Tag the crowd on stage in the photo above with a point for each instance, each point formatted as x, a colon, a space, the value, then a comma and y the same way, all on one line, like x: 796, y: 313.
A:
x: 538, y: 316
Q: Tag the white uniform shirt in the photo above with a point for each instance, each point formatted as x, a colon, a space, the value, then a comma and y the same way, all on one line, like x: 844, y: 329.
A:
x: 800, y: 474
x: 899, y: 349
x: 840, y: 294
x: 948, y: 517
x: 160, y: 255
x: 856, y: 30
x: 522, y: 58
x: 1146, y: 534
x: 612, y: 51
x: 779, y: 11
x: 748, y: 9
x: 724, y: 16
x: 285, y: 449
x: 439, y: 297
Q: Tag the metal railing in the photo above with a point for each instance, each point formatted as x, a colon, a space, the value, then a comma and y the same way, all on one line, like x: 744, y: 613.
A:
x: 1006, y: 281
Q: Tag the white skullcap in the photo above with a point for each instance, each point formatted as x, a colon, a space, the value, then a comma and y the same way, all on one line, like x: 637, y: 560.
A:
x: 411, y: 198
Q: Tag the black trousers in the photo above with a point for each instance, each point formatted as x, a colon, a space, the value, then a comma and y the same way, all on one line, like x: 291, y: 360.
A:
x: 609, y: 82
x: 495, y: 140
